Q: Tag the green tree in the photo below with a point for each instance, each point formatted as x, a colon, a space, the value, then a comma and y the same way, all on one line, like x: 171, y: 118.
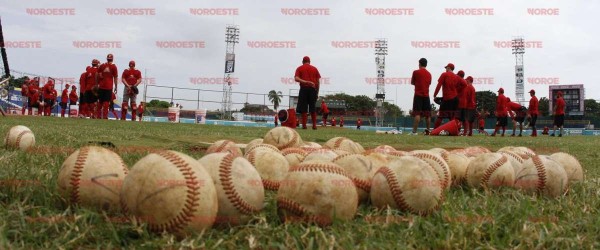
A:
x: 17, y: 82
x: 392, y: 109
x: 592, y: 108
x: 544, y: 106
x: 275, y: 98
x: 486, y: 100
x: 157, y: 104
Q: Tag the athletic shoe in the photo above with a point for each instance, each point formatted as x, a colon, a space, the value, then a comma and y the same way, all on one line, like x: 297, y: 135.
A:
x: 412, y: 133
x: 552, y: 134
x: 426, y: 132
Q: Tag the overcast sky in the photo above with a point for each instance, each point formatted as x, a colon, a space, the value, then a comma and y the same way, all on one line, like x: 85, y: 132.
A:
x: 565, y: 31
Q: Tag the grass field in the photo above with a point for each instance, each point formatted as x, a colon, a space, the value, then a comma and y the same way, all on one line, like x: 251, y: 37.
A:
x: 33, y: 216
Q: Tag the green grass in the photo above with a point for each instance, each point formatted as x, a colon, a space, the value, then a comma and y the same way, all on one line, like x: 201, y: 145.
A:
x: 33, y: 215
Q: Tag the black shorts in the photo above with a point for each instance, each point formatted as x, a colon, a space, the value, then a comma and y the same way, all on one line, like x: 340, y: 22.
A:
x: 306, y: 97
x: 559, y: 120
x: 448, y: 108
x: 520, y: 119
x: 33, y: 104
x: 502, y: 121
x: 72, y: 103
x: 467, y: 115
x: 533, y: 120
x: 49, y: 103
x: 63, y: 105
x: 421, y: 106
x: 104, y: 95
x: 89, y: 97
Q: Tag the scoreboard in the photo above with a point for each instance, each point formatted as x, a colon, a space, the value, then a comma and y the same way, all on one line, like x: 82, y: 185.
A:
x: 573, y: 95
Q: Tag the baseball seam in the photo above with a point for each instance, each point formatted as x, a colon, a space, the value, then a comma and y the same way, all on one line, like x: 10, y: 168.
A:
x: 76, y: 174
x: 491, y: 169
x: 220, y: 147
x: 541, y: 171
x: 288, y: 151
x: 317, y: 167
x: 446, y: 180
x: 513, y: 155
x: 18, y: 141
x: 362, y: 184
x: 225, y: 169
x: 191, y: 201
x: 268, y: 184
x: 292, y: 141
x: 338, y: 142
x: 297, y: 210
x: 395, y: 189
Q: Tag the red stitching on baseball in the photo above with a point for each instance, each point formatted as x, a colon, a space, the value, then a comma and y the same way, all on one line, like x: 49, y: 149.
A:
x: 191, y: 201
x: 514, y: 156
x: 299, y: 151
x: 299, y: 212
x: 18, y: 141
x: 267, y: 184
x: 76, y: 174
x: 362, y: 184
x: 395, y: 189
x: 292, y: 141
x: 269, y: 146
x: 221, y: 146
x: 443, y: 164
x: 397, y: 153
x: 225, y: 169
x: 490, y: 170
x: 541, y: 171
x: 319, y: 167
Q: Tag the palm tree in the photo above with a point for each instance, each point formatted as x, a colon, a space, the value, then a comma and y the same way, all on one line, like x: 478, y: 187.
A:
x: 275, y: 98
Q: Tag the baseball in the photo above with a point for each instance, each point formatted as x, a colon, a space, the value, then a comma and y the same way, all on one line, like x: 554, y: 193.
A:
x: 408, y: 184
x: 516, y: 160
x: 239, y: 187
x: 311, y: 145
x: 571, y: 166
x: 294, y: 156
x: 260, y: 147
x: 317, y: 192
x: 542, y: 175
x: 343, y: 143
x: 472, y: 151
x: 439, y: 165
x: 324, y: 155
x: 438, y: 150
x: 457, y: 163
x: 271, y: 165
x: 525, y: 150
x: 171, y: 192
x: 384, y: 149
x: 360, y: 170
x: 224, y: 146
x: 92, y: 177
x: 19, y: 137
x: 283, y: 137
x: 252, y: 143
x: 490, y: 170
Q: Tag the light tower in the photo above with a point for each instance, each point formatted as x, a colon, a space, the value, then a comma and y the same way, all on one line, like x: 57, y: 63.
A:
x: 232, y: 36
x: 518, y: 49
x: 381, y: 50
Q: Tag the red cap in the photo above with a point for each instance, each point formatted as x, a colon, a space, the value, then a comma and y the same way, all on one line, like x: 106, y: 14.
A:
x: 469, y: 79
x: 67, y: 85
x: 501, y: 90
x: 109, y: 57
x: 305, y: 59
x: 532, y: 91
x: 461, y: 73
x: 450, y: 65
x: 75, y: 87
x: 559, y: 93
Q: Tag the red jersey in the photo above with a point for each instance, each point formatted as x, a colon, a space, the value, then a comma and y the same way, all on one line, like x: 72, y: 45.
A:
x: 34, y: 93
x: 513, y: 106
x: 560, y: 106
x: 309, y: 73
x: 461, y: 88
x: 90, y: 78
x: 359, y: 122
x: 481, y: 122
x: 48, y: 91
x: 471, y: 97
x: 131, y: 76
x: 64, y: 96
x: 107, y: 72
x: 73, y: 96
x: 448, y: 81
x: 501, y: 110
x: 421, y: 78
x: 82, y: 81
x: 324, y: 108
x: 533, y: 106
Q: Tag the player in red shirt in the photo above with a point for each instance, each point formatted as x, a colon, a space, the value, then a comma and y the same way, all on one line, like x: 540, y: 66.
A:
x: 447, y: 82
x: 34, y: 95
x: 482, y: 115
x: 108, y: 74
x: 131, y: 78
x: 333, y: 121
x: 73, y: 97
x: 82, y: 85
x: 324, y: 112
x: 461, y: 90
x: 64, y: 98
x: 90, y: 99
x: 358, y: 123
x: 49, y: 95
x: 341, y: 121
x: 518, y: 114
x: 559, y: 113
x: 25, y: 94
x: 421, y: 79
x: 140, y: 111
x: 533, y: 112
x: 111, y: 106
x: 470, y: 104
x: 501, y: 112
x: 308, y: 77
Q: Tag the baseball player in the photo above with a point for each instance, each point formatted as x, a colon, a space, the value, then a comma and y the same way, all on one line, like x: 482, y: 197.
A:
x: 64, y: 100
x: 131, y: 78
x: 108, y: 74
x: 533, y: 112
x: 447, y: 82
x: 501, y: 112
